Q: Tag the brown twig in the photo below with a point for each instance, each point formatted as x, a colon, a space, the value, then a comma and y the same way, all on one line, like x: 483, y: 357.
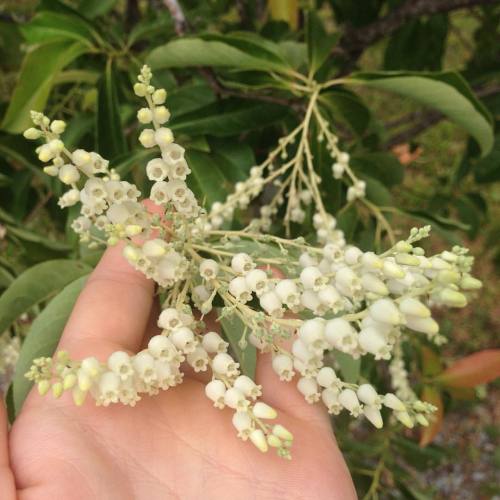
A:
x: 177, y: 15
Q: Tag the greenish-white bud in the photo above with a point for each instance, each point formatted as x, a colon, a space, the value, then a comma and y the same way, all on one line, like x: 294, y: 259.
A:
x: 140, y: 89
x: 58, y: 126
x: 407, y: 259
x: 452, y: 298
x: 159, y: 96
x: 470, y: 283
x: 32, y: 133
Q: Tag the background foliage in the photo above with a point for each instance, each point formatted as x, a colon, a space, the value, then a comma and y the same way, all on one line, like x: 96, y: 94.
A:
x: 418, y: 113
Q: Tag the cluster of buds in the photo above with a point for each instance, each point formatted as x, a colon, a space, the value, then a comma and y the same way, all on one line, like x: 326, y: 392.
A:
x: 290, y: 171
x: 300, y: 302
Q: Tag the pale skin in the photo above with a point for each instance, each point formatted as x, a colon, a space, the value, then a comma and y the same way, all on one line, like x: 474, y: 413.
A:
x: 172, y: 446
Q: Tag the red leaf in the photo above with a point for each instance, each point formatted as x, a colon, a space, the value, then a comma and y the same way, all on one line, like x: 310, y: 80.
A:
x: 478, y: 368
x: 433, y: 396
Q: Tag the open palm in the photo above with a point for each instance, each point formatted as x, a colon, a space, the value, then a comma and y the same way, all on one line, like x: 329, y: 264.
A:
x: 174, y: 445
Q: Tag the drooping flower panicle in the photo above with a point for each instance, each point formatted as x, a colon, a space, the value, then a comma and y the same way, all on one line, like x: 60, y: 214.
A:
x: 332, y: 297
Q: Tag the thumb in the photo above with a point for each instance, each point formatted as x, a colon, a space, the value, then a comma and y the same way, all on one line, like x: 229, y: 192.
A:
x: 7, y: 484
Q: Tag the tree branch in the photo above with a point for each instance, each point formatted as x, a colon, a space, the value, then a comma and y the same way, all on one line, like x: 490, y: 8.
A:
x: 355, y: 40
x: 177, y: 15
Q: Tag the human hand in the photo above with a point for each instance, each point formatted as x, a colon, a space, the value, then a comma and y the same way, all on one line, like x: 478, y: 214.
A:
x: 173, y: 445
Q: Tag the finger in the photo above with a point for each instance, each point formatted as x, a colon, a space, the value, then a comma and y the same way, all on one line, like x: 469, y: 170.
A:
x: 112, y: 311
x: 7, y: 484
x: 152, y: 327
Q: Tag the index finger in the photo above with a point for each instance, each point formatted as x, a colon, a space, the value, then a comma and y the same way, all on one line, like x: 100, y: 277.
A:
x: 112, y: 311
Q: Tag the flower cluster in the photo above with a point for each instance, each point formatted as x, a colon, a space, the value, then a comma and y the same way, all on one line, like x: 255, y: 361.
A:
x: 303, y: 303
x: 295, y: 180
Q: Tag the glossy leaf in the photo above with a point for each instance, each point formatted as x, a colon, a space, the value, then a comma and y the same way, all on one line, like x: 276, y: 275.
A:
x: 40, y: 66
x: 384, y: 167
x: 189, y: 98
x: 137, y: 160
x: 418, y: 45
x: 432, y: 395
x: 377, y: 192
x: 478, y: 368
x: 349, y: 367
x: 233, y: 329
x: 185, y: 52
x: 28, y: 236
x: 110, y: 139
x: 206, y: 179
x: 228, y: 118
x: 36, y: 285
x: 95, y: 8
x: 53, y: 26
x: 252, y: 44
x: 295, y: 53
x: 43, y: 337
x: 347, y: 107
x: 487, y: 169
x: 447, y: 92
x: 319, y: 43
x: 234, y: 158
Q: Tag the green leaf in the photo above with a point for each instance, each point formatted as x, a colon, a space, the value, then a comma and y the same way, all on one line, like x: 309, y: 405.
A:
x: 384, y: 167
x: 447, y: 92
x: 188, y: 98
x: 206, y: 179
x: 377, y: 192
x: 487, y: 169
x: 21, y: 151
x: 233, y: 329
x: 39, y: 68
x: 349, y: 107
x: 295, y: 53
x: 186, y: 52
x: 229, y: 117
x: 319, y: 43
x: 253, y: 45
x: 110, y: 140
x: 349, y: 367
x: 443, y: 227
x: 50, y: 26
x: 234, y: 158
x: 36, y: 285
x: 418, y: 45
x: 125, y: 163
x: 37, y: 239
x: 96, y: 8
x: 77, y: 76
x: 6, y: 278
x: 43, y: 337
x: 77, y: 128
